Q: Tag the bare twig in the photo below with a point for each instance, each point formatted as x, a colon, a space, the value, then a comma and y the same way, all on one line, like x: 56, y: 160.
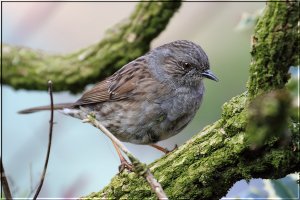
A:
x: 4, y: 183
x: 155, y: 185
x: 49, y: 142
x: 145, y: 172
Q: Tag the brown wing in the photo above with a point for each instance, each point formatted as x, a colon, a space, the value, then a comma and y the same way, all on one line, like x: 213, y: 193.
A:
x: 118, y: 86
x: 98, y: 93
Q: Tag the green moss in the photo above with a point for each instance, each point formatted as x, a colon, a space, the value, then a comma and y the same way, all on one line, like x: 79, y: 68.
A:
x: 234, y: 115
x: 268, y: 117
x: 275, y: 43
x: 234, y: 106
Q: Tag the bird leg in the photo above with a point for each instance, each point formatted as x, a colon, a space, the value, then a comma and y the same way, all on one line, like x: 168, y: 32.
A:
x: 164, y: 150
x: 124, y: 163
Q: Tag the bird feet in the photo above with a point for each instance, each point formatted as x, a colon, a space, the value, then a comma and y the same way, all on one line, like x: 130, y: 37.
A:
x: 125, y: 165
x: 164, y: 150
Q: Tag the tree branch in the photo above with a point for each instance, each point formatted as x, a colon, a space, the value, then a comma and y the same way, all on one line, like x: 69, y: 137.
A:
x: 275, y: 46
x: 222, y: 154
x: 28, y: 69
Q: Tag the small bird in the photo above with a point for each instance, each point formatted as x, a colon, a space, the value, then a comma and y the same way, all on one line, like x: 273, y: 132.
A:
x: 149, y: 99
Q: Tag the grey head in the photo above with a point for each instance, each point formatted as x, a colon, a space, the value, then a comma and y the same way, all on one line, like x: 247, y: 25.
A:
x: 181, y: 62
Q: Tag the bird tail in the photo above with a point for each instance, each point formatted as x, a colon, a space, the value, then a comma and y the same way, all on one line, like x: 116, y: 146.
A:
x: 42, y: 108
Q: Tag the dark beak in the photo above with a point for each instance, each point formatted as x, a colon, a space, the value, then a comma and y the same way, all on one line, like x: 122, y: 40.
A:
x: 208, y: 74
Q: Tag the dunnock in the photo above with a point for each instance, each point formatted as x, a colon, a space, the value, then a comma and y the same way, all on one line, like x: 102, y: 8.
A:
x: 149, y: 99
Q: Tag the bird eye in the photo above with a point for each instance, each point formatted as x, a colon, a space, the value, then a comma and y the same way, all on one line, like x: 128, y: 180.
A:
x: 186, y: 65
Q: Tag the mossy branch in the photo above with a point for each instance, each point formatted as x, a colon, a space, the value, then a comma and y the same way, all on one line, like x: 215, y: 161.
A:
x: 225, y: 152
x: 31, y: 69
x: 275, y: 46
x: 212, y: 161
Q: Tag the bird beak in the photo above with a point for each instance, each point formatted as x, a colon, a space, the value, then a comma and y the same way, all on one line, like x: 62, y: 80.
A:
x: 208, y: 74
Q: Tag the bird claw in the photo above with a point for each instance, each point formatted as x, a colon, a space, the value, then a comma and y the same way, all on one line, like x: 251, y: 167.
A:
x: 125, y: 165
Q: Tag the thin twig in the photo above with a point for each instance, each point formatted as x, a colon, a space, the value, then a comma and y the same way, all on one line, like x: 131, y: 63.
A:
x: 154, y: 184
x: 49, y: 142
x: 4, y: 183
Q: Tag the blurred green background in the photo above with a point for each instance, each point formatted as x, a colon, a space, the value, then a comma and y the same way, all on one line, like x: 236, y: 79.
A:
x: 82, y: 159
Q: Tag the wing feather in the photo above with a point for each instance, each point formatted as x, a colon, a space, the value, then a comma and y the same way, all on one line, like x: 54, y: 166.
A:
x: 118, y: 86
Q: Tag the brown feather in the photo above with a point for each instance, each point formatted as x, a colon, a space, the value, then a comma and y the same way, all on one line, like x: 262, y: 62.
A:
x: 118, y: 86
